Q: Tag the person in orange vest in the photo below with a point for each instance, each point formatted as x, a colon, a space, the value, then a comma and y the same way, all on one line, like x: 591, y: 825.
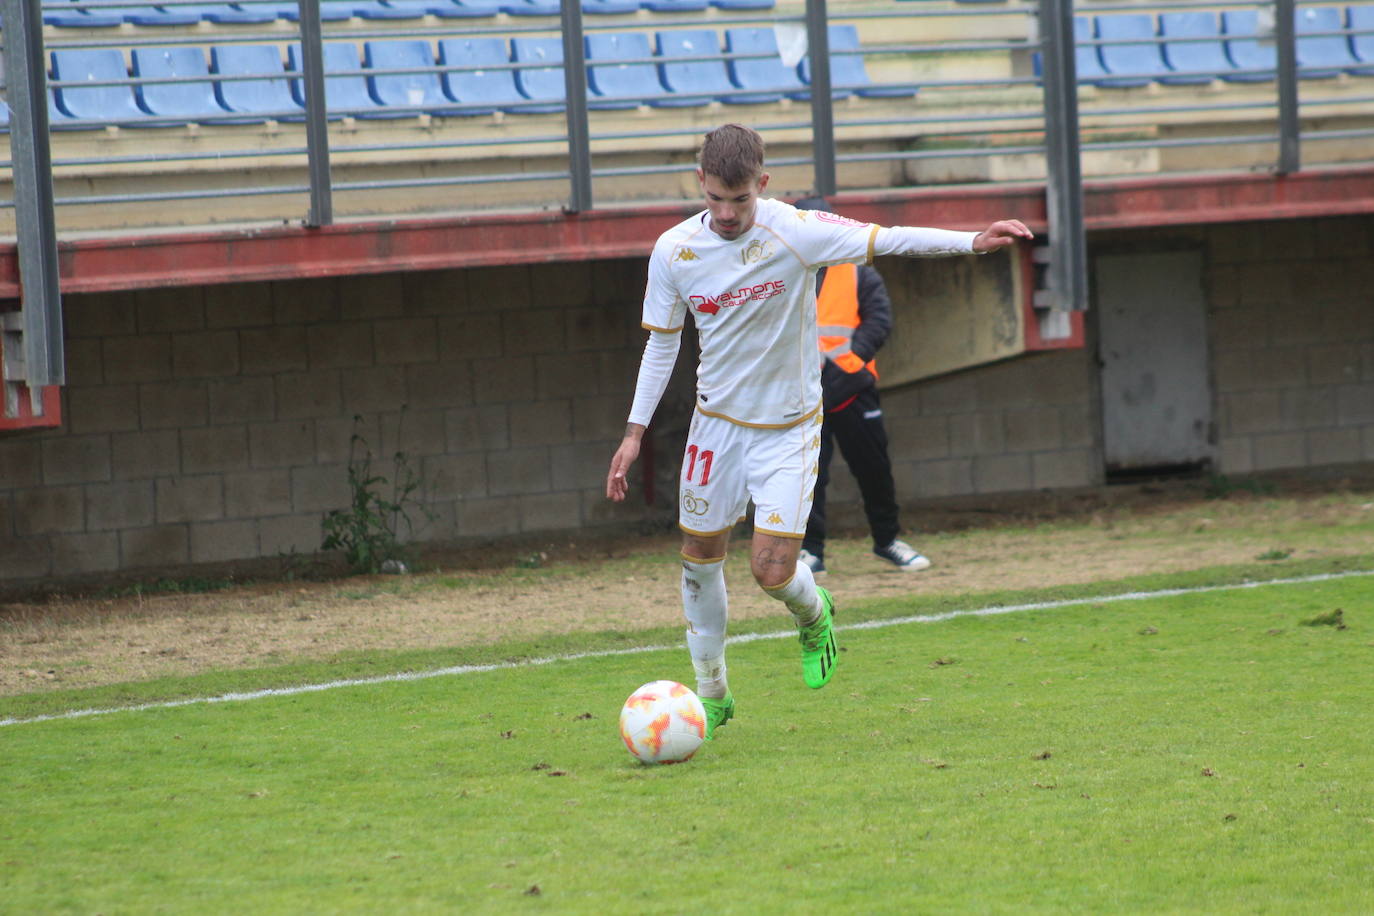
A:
x: 854, y: 315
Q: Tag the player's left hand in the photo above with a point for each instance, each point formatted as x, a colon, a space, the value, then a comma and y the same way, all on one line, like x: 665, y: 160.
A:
x: 1000, y: 234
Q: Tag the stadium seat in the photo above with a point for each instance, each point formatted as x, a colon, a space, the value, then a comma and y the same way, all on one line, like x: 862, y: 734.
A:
x: 1322, y: 56
x: 743, y: 4
x: 108, y: 104
x: 1135, y: 64
x: 268, y: 97
x: 768, y: 78
x: 65, y: 15
x: 443, y: 9
x: 674, y: 6
x: 620, y: 85
x: 544, y: 82
x: 417, y: 91
x: 847, y: 71
x: 344, y: 95
x: 1362, y: 19
x: 377, y: 9
x: 227, y: 13
x: 609, y: 7
x: 191, y: 100
x: 159, y: 16
x: 694, y: 82
x: 530, y: 7
x: 493, y: 89
x: 1192, y: 63
x: 330, y: 10
x: 475, y: 8
x: 1241, y: 28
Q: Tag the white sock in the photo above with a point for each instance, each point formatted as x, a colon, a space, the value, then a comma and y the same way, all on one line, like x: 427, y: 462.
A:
x: 706, y: 607
x: 800, y: 595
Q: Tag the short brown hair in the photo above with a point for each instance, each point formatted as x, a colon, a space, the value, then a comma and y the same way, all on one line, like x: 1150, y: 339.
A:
x: 734, y: 154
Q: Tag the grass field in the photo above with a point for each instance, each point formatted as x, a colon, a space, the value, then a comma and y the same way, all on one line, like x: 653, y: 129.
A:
x: 1195, y: 751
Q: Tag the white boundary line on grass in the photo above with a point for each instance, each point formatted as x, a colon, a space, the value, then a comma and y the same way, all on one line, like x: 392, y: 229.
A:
x: 640, y: 650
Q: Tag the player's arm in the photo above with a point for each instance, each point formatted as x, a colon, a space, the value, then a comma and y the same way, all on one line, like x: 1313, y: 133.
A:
x: 655, y: 368
x: 920, y: 242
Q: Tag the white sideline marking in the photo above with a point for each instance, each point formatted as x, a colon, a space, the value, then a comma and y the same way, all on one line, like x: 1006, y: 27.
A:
x: 640, y: 650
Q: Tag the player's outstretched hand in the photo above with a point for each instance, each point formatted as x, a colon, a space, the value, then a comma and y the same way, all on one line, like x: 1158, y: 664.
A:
x: 616, y: 484
x: 1000, y: 234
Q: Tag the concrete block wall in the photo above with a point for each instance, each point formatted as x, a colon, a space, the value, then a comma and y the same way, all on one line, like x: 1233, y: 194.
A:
x: 1292, y: 331
x: 208, y: 424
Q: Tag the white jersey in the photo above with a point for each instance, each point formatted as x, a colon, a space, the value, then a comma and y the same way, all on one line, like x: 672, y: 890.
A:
x: 753, y: 300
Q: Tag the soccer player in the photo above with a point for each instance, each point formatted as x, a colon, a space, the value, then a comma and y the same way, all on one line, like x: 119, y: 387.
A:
x: 745, y: 269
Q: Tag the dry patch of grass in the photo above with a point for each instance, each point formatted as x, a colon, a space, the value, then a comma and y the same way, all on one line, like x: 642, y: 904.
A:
x: 71, y: 642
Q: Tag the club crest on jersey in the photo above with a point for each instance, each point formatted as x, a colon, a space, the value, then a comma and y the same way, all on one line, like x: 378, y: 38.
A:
x: 710, y: 305
x: 756, y: 251
x: 686, y: 254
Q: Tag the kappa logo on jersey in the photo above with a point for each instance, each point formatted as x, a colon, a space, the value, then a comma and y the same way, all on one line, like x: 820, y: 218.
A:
x: 775, y: 519
x: 686, y: 254
x: 756, y: 251
x: 709, y: 305
x: 837, y: 219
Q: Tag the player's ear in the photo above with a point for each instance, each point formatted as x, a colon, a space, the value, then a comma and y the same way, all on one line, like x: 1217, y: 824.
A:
x: 701, y: 179
x: 763, y: 182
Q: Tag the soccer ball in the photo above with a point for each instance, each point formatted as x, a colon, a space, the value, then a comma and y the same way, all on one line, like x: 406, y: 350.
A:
x: 663, y: 722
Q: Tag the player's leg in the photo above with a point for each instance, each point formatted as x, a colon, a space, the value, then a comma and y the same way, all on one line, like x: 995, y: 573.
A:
x: 783, y: 470
x: 710, y: 499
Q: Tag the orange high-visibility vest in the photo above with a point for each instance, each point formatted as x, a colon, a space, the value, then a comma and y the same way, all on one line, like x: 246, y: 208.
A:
x: 837, y: 314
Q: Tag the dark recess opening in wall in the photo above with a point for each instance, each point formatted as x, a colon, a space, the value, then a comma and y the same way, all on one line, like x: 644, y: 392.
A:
x: 1158, y: 472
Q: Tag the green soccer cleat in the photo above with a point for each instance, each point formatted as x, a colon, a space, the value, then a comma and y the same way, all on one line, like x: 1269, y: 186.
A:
x: 718, y: 712
x: 820, y: 655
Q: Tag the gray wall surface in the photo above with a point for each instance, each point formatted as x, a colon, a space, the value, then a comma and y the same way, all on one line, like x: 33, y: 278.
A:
x: 209, y: 424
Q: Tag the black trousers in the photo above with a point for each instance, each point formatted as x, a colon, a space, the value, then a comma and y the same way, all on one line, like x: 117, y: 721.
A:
x: 859, y: 432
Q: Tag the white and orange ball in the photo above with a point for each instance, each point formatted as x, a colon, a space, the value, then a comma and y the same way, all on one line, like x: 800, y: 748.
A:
x: 663, y: 722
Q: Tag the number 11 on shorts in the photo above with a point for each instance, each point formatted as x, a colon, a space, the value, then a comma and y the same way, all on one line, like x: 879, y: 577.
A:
x: 692, y: 456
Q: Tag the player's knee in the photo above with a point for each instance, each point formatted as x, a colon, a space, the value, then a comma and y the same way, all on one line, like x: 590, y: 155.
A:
x: 771, y: 575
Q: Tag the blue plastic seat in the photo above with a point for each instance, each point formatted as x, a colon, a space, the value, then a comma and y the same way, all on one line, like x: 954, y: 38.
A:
x: 108, y: 104
x: 344, y: 95
x: 530, y: 7
x: 1241, y: 28
x: 492, y: 90
x: 544, y: 81
x: 674, y: 6
x: 443, y: 9
x: 376, y: 9
x: 620, y: 85
x: 268, y: 97
x: 768, y: 78
x: 193, y: 99
x: 1192, y: 63
x: 418, y: 92
x: 1134, y: 64
x: 475, y: 8
x: 159, y: 16
x: 227, y: 13
x: 696, y: 82
x: 743, y: 4
x: 1322, y: 56
x: 1087, y: 63
x: 330, y: 10
x: 609, y: 7
x: 68, y: 16
x: 1362, y: 19
x: 847, y: 71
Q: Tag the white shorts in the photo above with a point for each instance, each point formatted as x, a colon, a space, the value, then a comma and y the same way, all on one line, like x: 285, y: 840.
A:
x: 725, y: 465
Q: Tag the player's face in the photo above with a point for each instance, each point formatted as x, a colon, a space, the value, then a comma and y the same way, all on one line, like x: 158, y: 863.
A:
x: 732, y: 209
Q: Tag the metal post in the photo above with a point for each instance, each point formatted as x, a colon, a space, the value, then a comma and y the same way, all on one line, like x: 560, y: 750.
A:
x: 316, y: 123
x: 575, y: 79
x: 822, y: 114
x: 1068, y: 267
x: 27, y: 93
x: 1290, y: 157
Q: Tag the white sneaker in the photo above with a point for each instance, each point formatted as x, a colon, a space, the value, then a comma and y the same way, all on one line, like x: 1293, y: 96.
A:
x: 813, y: 562
x: 903, y: 556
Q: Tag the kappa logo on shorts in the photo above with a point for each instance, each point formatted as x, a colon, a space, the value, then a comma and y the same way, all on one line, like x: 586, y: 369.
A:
x: 686, y: 254
x: 775, y: 519
x: 693, y: 504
